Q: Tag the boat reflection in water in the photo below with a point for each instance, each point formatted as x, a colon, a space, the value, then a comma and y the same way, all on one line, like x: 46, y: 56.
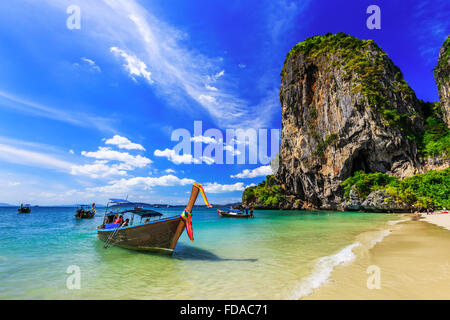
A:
x: 153, y: 231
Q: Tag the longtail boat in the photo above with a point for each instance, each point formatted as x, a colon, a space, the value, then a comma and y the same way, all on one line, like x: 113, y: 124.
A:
x: 24, y: 208
x: 155, y: 233
x: 85, y: 211
x: 235, y: 213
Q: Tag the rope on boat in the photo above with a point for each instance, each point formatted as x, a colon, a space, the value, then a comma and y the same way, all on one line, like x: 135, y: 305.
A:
x: 110, y: 238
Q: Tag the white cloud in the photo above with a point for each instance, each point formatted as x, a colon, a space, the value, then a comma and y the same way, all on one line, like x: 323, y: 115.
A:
x: 172, y: 156
x: 124, y: 143
x: 223, y: 188
x: 129, y: 161
x: 134, y: 66
x: 99, y: 169
x: 13, y: 183
x: 169, y: 171
x: 242, y: 66
x: 258, y: 172
x: 71, y: 151
x: 125, y: 185
x: 231, y: 149
x: 204, y: 139
x: 207, y: 86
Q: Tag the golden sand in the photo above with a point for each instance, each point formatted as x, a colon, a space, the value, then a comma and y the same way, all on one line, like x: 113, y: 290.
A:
x: 412, y: 261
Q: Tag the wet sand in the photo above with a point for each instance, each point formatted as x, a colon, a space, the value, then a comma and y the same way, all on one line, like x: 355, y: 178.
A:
x: 413, y: 259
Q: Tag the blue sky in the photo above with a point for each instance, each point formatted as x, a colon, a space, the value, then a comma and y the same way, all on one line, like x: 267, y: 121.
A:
x: 87, y: 114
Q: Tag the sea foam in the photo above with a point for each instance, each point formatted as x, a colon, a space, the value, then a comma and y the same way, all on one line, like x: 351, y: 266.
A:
x: 322, y: 271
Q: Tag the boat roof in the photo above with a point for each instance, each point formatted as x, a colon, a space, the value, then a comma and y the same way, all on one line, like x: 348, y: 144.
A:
x: 137, y: 211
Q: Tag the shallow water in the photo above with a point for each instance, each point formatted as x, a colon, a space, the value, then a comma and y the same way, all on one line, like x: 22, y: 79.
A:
x: 277, y: 255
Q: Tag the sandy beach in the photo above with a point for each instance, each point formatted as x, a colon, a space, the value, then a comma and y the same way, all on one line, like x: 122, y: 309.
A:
x: 411, y: 259
x: 437, y: 218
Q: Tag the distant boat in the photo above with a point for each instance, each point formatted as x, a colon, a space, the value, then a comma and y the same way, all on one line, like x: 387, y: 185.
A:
x: 85, y: 211
x: 155, y: 233
x: 235, y: 213
x: 24, y: 208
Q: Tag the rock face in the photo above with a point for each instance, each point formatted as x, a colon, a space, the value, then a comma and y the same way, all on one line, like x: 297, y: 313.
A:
x: 442, y: 76
x: 376, y: 201
x: 345, y: 107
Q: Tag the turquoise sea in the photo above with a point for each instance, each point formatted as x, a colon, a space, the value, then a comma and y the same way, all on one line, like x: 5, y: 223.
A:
x: 276, y: 255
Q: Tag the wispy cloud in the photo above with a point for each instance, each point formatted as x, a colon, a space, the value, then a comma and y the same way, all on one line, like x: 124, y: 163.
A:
x: 13, y: 154
x: 74, y: 118
x: 91, y: 64
x: 432, y: 17
x: 133, y: 65
x: 179, y: 74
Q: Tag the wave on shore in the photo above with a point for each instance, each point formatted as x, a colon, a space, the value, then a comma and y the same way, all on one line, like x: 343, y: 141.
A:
x: 323, y: 269
x: 325, y: 265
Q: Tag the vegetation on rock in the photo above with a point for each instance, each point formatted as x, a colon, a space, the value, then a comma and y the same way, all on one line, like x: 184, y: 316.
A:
x: 426, y: 190
x: 443, y: 62
x: 266, y: 194
x: 435, y: 140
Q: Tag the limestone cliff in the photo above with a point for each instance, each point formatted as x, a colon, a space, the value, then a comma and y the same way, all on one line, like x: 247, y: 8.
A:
x: 345, y: 107
x: 442, y: 76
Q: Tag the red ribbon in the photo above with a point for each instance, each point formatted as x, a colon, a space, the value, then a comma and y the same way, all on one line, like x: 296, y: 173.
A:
x: 187, y: 218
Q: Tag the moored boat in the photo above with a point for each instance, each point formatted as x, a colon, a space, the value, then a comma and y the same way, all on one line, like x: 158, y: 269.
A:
x: 85, y: 211
x: 235, y: 213
x: 153, y: 232
x: 24, y: 208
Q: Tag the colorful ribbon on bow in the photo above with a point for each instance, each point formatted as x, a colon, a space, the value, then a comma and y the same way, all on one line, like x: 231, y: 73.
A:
x: 200, y: 188
x: 187, y: 216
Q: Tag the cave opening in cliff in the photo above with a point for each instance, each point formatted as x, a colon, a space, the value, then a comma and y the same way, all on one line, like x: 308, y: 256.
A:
x: 360, y: 162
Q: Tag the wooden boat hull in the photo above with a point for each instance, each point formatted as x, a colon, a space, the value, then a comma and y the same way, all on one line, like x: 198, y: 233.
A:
x: 228, y: 215
x: 23, y: 210
x: 159, y: 236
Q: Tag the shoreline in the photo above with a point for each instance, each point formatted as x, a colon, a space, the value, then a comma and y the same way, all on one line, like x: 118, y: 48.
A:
x: 411, y: 256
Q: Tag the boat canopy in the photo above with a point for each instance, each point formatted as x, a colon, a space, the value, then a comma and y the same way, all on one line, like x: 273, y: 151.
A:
x: 137, y: 208
x: 119, y: 201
